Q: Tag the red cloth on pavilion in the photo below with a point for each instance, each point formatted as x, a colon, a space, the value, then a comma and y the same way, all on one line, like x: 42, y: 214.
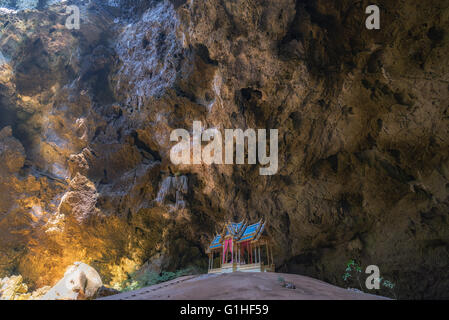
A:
x: 227, y: 243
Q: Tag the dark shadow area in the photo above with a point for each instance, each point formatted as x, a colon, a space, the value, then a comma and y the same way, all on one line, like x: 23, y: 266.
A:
x: 9, y: 117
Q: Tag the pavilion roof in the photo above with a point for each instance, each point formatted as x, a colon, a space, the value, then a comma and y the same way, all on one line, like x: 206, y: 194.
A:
x: 239, y: 232
x: 216, y: 243
x: 234, y: 228
x: 252, y: 232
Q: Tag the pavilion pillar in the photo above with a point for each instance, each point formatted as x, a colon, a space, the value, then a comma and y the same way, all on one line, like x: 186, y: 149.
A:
x: 255, y: 254
x: 269, y: 253
x: 232, y: 251
x: 236, y: 253
x: 250, y: 251
x: 268, y: 257
x: 258, y: 253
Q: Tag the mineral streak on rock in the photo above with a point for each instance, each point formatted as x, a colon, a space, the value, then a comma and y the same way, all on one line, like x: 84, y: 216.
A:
x: 363, y: 121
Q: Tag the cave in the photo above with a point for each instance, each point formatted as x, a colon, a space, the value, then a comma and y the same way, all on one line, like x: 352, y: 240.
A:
x: 362, y: 173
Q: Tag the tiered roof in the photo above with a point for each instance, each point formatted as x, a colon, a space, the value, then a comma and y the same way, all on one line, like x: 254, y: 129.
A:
x: 240, y: 232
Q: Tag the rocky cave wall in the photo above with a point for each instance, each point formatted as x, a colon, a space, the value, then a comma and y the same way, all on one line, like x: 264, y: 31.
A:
x: 363, y: 122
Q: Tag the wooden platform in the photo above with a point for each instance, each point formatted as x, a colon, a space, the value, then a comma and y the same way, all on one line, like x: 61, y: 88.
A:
x: 234, y: 267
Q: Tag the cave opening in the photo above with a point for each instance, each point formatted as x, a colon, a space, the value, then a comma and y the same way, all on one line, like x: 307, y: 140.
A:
x: 7, y: 117
x: 10, y: 117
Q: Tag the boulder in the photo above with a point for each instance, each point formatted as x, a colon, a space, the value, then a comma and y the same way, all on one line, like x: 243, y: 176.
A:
x: 80, y: 282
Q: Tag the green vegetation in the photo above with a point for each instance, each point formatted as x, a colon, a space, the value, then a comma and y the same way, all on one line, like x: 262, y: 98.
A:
x: 138, y: 280
x: 389, y: 285
x: 353, y: 273
x: 281, y: 279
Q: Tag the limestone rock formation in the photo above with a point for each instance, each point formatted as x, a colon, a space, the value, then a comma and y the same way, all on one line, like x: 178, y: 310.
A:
x: 13, y: 288
x: 80, y: 282
x: 362, y: 115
